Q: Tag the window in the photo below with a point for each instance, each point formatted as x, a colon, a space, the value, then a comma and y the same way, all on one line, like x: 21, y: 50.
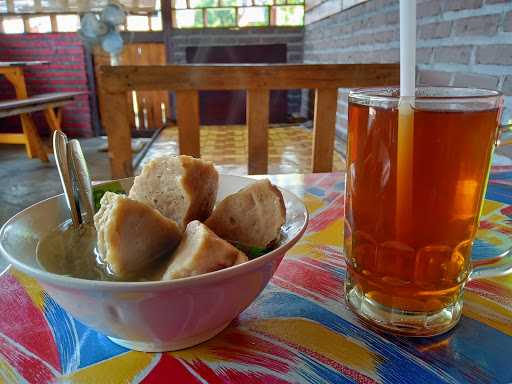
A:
x: 137, y: 23
x: 156, y: 22
x: 221, y: 17
x: 39, y: 24
x: 236, y: 13
x: 289, y: 15
x: 67, y: 23
x: 144, y: 22
x: 188, y: 18
x: 13, y: 25
x: 253, y: 16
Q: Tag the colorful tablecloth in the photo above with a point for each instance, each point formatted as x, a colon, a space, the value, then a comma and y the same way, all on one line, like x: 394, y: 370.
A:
x: 298, y: 330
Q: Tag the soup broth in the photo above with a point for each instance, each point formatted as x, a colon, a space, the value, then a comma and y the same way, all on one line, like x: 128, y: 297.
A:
x: 72, y: 252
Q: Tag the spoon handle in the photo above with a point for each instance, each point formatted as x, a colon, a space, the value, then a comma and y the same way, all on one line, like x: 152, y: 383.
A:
x: 61, y: 158
x: 82, y: 178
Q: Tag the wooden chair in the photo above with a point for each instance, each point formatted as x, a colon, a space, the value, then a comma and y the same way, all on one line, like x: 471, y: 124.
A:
x: 50, y: 104
x: 257, y: 80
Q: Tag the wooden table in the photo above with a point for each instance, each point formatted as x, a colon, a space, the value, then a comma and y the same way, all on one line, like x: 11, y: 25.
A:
x: 13, y: 72
x: 298, y: 330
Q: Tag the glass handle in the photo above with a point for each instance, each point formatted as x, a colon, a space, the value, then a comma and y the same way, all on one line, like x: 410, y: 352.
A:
x: 493, y: 267
x: 502, y: 129
x: 500, y: 264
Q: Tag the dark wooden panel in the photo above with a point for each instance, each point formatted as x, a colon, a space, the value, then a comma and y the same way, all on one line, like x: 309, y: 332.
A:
x: 229, y: 107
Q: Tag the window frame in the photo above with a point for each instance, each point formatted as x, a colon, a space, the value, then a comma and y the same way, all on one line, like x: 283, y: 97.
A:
x: 24, y: 18
x: 271, y: 12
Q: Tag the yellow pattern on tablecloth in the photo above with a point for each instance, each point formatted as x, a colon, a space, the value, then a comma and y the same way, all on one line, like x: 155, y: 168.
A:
x: 321, y: 340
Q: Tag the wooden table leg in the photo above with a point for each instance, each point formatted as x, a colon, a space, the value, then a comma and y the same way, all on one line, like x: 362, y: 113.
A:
x: 34, y: 146
x: 33, y: 138
x: 53, y: 119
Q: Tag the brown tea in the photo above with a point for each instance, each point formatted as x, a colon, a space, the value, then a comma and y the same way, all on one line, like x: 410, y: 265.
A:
x: 416, y: 264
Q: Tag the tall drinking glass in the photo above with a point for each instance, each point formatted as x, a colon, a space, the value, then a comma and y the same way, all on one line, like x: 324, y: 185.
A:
x: 407, y: 267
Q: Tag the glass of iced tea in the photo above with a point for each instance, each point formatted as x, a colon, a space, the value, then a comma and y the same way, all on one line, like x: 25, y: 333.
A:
x: 406, y: 268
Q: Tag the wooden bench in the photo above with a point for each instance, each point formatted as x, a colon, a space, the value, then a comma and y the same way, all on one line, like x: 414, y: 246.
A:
x: 256, y: 79
x: 50, y: 104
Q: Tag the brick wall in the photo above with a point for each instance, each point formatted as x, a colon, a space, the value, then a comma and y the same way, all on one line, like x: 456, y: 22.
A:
x: 66, y: 72
x: 292, y: 37
x: 460, y: 42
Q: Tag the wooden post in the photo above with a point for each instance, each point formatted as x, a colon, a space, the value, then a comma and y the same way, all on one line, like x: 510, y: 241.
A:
x: 187, y: 113
x: 257, y: 125
x: 170, y: 48
x: 326, y: 102
x: 53, y: 20
x: 10, y: 6
x: 93, y: 91
x: 115, y: 119
x: 26, y: 24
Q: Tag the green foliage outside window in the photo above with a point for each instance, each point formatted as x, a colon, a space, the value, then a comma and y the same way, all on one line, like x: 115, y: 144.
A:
x: 289, y: 15
x: 221, y: 17
x: 202, y: 3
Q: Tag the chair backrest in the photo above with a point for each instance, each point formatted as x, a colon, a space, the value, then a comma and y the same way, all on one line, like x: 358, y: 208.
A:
x: 257, y: 80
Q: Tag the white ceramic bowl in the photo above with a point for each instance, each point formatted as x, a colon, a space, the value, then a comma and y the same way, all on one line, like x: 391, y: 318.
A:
x: 150, y: 316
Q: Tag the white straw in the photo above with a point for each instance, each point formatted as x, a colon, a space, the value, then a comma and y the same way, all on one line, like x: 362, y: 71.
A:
x: 405, y: 136
x: 407, y: 47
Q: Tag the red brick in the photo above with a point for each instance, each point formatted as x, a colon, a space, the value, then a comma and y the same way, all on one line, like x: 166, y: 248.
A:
x: 435, y: 30
x: 507, y: 85
x: 475, y: 80
x: 434, y: 77
x: 66, y: 72
x: 507, y: 26
x: 454, y: 54
x: 428, y: 8
x: 476, y: 26
x: 457, y: 5
x: 500, y: 54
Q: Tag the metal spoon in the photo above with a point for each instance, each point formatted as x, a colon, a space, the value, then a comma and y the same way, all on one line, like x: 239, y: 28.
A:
x: 60, y: 151
x: 75, y: 178
x: 81, y: 178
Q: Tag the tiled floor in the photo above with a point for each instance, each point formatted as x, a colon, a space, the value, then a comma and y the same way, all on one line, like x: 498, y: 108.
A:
x: 226, y: 146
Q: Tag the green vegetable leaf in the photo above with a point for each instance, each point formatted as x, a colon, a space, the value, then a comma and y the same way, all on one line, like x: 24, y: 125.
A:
x: 99, y: 190
x: 255, y: 252
x: 250, y: 251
